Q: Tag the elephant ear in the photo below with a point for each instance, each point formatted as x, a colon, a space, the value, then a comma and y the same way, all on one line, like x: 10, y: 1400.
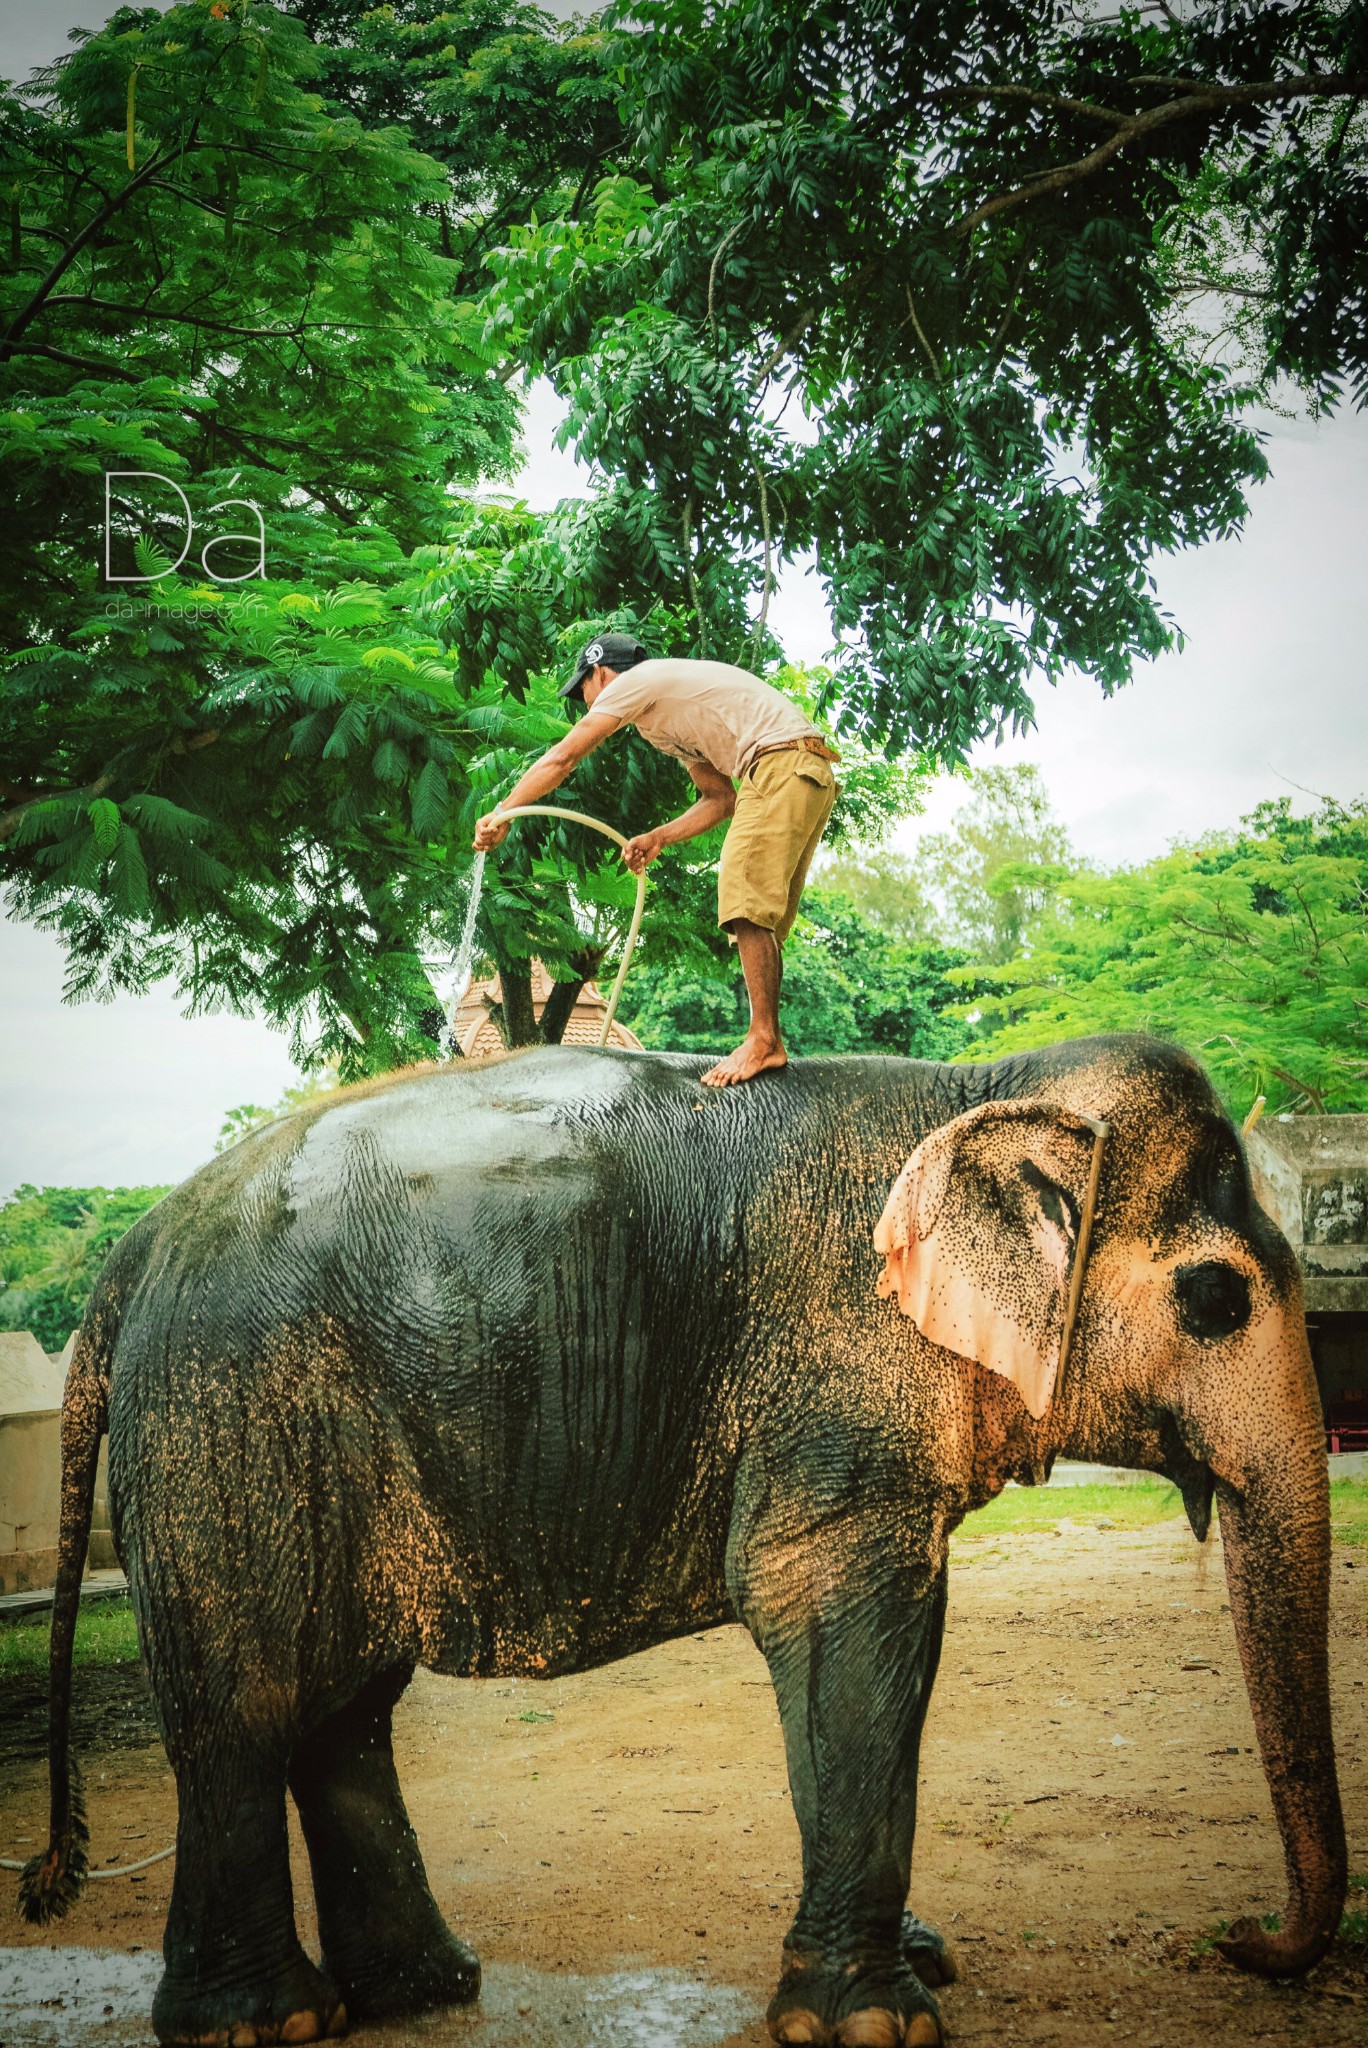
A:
x: 980, y: 1233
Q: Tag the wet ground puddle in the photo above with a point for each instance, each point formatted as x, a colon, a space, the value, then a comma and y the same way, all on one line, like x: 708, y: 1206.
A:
x: 59, y: 1997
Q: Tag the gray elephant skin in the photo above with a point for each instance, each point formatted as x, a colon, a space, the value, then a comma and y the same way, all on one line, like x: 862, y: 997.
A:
x: 519, y: 1367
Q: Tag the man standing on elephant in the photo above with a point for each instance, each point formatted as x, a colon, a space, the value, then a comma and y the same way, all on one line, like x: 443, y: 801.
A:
x: 753, y: 757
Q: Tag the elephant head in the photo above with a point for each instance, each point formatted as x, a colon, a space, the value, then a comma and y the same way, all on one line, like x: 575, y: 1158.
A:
x: 1189, y: 1357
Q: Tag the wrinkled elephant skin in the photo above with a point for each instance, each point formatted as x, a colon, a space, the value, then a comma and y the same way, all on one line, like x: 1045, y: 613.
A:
x: 519, y: 1367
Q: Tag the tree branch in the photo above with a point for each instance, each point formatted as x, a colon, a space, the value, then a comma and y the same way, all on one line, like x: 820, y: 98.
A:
x: 10, y: 820
x: 920, y: 333
x: 718, y: 254
x: 758, y: 631
x: 1205, y: 99
x: 1027, y: 94
x: 99, y: 219
x: 785, y: 343
x: 692, y: 574
x: 155, y: 313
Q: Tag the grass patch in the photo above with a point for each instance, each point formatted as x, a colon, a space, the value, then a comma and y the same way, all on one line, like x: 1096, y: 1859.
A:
x: 1135, y: 1505
x: 105, y: 1634
x: 1044, y: 1507
x: 1349, y: 1510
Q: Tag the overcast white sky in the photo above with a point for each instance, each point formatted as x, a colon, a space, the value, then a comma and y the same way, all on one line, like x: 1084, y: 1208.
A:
x: 1269, y: 697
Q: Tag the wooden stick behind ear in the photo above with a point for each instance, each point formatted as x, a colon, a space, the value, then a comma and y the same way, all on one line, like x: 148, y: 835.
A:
x: 1101, y: 1132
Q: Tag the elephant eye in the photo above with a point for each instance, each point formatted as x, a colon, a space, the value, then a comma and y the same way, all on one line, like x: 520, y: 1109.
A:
x: 1213, y: 1300
x: 1057, y: 1205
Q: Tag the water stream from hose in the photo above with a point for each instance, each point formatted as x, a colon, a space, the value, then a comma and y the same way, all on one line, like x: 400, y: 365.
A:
x: 464, y: 962
x: 465, y: 951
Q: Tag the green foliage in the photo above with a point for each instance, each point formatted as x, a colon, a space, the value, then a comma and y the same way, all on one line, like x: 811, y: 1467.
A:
x: 868, y: 288
x: 249, y: 1116
x: 1250, y: 948
x: 53, y: 1242
x: 993, y: 873
x: 519, y: 108
x: 884, y: 887
x: 295, y: 260
x: 263, y: 790
x: 212, y: 309
x: 848, y: 987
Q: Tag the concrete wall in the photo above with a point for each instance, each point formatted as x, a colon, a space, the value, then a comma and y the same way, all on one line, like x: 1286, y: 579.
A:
x: 31, y: 1468
x: 30, y: 1462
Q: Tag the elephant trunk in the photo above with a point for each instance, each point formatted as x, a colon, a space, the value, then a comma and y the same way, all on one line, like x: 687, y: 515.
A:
x: 1276, y: 1534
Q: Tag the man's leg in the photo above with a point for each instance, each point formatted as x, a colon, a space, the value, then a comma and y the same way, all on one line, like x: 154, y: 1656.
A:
x: 762, y: 1047
x: 781, y: 809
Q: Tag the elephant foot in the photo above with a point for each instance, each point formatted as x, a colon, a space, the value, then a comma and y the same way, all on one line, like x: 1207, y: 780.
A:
x: 883, y: 2004
x: 922, y: 1949
x: 299, y: 2005
x: 388, y: 1984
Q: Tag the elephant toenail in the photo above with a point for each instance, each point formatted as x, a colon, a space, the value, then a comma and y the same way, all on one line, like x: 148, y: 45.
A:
x: 871, y: 2027
x: 800, y: 2029
x: 337, y: 2025
x: 302, y: 2026
x: 244, y: 2035
x: 922, y: 2031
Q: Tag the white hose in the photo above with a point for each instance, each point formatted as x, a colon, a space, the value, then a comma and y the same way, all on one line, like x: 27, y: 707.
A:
x: 114, y: 1870
x: 608, y: 831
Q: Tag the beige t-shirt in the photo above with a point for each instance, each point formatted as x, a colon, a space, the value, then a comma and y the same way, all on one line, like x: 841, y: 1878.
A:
x: 702, y: 711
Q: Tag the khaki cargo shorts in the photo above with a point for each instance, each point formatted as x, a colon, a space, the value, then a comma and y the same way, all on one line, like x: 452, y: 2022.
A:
x: 782, y: 807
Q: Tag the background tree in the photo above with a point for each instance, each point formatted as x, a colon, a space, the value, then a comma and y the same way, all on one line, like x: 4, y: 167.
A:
x: 994, y: 871
x: 849, y: 987
x: 1250, y: 948
x: 53, y: 1242
x: 886, y: 888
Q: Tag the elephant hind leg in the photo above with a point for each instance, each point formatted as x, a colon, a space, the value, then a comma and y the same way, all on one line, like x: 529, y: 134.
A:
x: 236, y: 1976
x: 383, y: 1936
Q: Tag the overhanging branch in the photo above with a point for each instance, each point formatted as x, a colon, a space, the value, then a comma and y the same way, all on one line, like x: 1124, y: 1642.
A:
x: 1206, y: 99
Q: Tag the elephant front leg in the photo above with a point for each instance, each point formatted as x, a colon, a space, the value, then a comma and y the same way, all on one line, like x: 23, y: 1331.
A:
x: 852, y: 1645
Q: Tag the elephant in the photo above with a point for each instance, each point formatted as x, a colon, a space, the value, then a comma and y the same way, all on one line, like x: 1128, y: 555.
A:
x: 516, y: 1367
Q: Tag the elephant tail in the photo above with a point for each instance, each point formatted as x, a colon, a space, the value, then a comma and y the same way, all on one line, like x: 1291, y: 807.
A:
x: 52, y: 1882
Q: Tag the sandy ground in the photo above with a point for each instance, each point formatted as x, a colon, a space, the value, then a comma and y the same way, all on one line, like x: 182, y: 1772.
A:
x: 621, y: 1848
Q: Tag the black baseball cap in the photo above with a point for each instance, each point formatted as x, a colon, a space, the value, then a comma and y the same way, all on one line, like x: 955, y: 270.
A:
x: 614, y: 650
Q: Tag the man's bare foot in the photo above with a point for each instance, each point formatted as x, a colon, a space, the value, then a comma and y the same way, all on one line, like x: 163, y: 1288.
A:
x: 753, y: 1056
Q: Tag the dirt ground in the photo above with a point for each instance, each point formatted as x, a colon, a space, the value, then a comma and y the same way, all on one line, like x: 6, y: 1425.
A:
x: 1091, y: 1805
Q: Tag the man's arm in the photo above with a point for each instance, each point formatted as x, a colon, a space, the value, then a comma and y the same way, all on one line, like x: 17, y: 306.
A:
x: 545, y: 775
x: 716, y: 801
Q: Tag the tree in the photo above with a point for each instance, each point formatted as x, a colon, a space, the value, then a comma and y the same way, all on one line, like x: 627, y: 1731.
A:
x: 206, y: 269
x: 53, y: 1242
x: 246, y: 1117
x: 1250, y: 948
x: 261, y: 783
x: 886, y: 888
x: 956, y: 245
x: 519, y: 108
x: 977, y: 886
x: 848, y: 987
x: 206, y: 272
x: 993, y: 873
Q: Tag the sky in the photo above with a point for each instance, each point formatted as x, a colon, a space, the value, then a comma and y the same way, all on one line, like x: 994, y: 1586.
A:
x: 1269, y: 697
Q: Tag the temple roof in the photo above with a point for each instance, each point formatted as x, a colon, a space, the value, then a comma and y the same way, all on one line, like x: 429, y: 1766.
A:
x: 476, y: 1033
